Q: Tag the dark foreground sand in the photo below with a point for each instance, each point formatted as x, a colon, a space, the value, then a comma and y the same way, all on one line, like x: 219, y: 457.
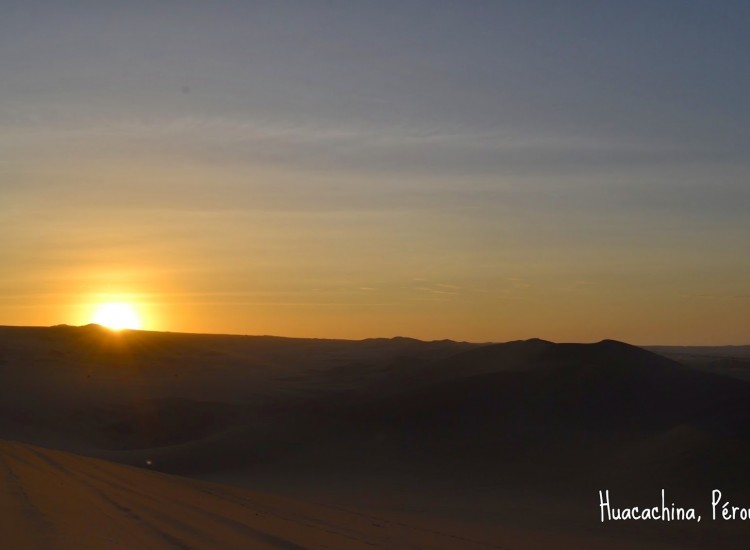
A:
x: 55, y: 500
x: 52, y: 499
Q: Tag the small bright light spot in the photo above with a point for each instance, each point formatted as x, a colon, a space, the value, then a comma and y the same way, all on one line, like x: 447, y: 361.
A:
x: 117, y: 316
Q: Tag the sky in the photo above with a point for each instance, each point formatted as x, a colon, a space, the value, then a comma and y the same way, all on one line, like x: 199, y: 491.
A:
x: 483, y: 171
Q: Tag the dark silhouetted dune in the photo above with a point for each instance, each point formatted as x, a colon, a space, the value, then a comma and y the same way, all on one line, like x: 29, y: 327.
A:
x: 515, y: 435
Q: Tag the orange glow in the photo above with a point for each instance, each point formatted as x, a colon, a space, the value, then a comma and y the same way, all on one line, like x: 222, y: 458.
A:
x: 117, y: 316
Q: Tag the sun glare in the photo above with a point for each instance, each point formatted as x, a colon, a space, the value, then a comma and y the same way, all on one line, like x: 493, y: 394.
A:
x: 117, y: 316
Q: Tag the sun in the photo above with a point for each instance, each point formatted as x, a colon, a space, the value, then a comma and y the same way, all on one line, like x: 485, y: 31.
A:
x: 117, y: 316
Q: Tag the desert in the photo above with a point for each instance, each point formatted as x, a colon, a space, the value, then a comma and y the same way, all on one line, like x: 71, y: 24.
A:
x: 415, y: 274
x: 492, y: 443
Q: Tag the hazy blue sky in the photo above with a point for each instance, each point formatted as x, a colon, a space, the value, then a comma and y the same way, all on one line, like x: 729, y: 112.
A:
x: 475, y: 170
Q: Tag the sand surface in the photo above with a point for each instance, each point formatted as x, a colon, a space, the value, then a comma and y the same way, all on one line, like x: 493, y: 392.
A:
x: 293, y: 443
x: 56, y: 500
x: 50, y: 499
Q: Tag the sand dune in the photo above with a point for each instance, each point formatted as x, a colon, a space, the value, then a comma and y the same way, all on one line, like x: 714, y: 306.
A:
x: 731, y: 361
x: 54, y: 500
x: 58, y: 500
x: 498, y: 443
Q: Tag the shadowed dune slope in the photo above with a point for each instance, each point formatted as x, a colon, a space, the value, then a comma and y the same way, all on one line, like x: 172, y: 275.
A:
x: 88, y: 388
x: 53, y: 500
x: 448, y: 429
x: 197, y: 404
x: 557, y: 415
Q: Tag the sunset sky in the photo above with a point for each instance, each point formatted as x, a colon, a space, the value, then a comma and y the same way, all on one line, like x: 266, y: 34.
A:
x: 480, y: 171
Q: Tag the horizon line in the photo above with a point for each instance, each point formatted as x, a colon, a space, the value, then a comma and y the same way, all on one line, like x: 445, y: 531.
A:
x: 489, y: 342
